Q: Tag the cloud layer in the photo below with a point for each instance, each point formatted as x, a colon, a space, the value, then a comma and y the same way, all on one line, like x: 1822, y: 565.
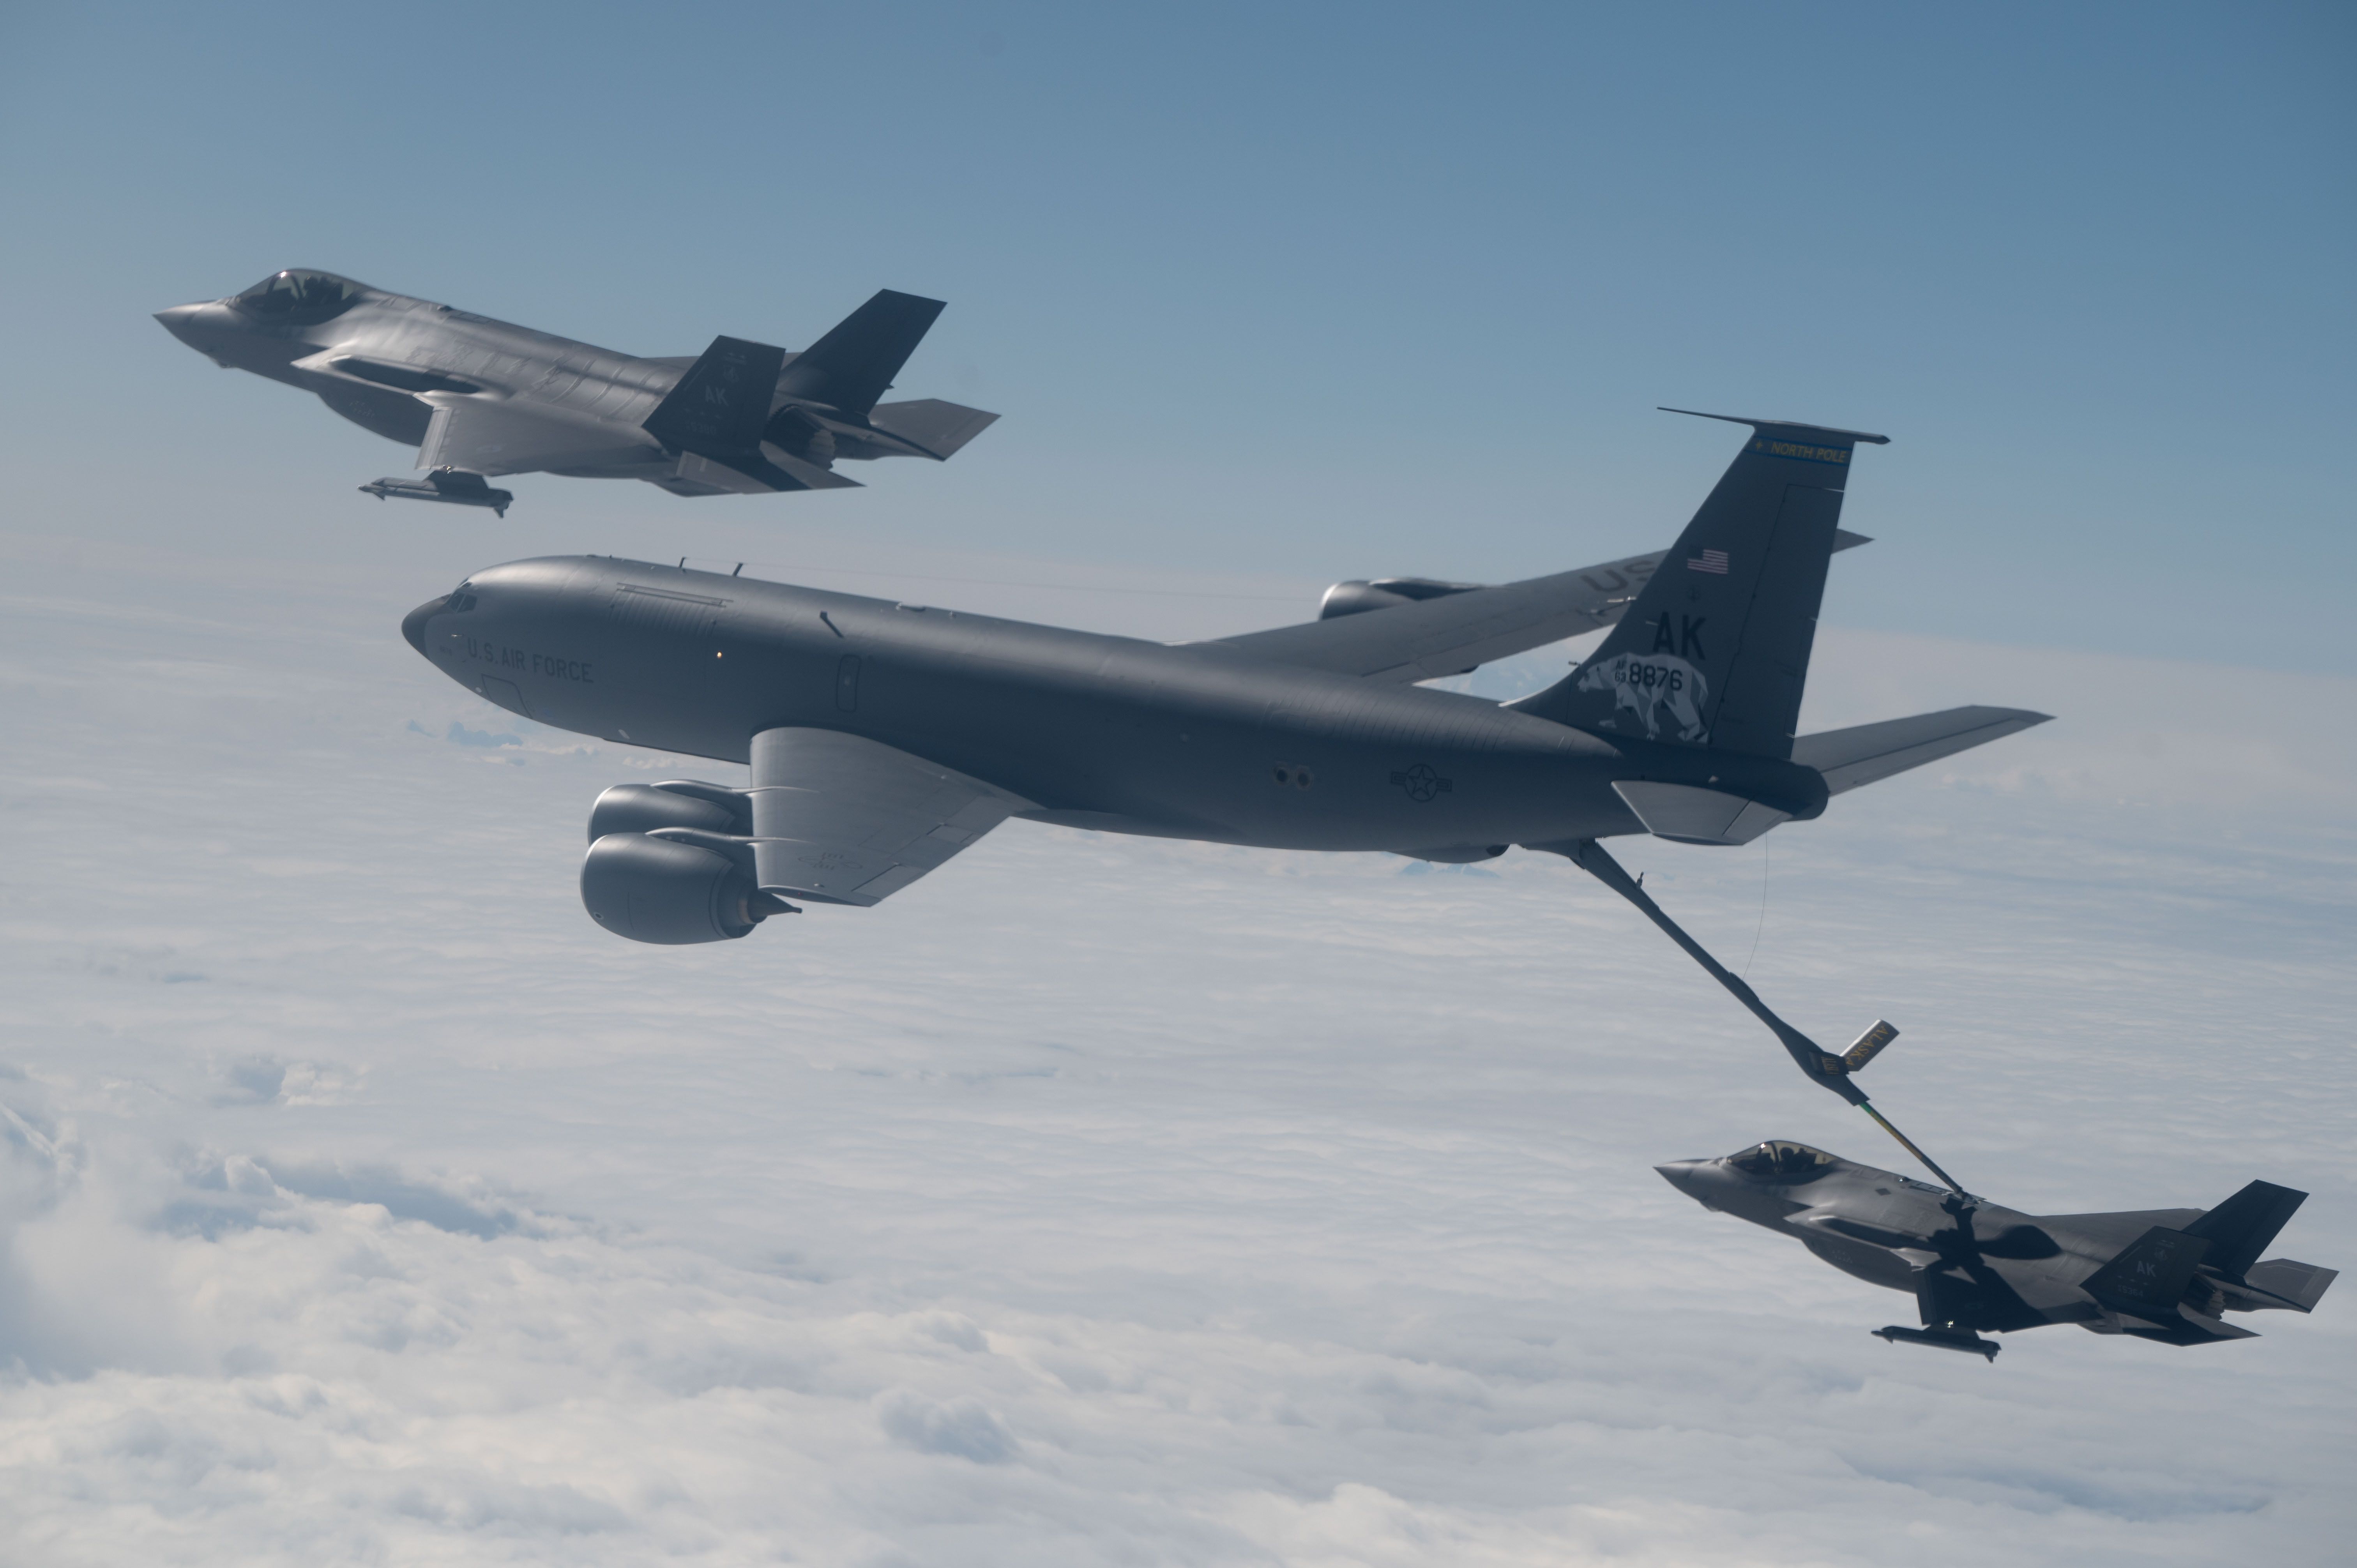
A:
x: 1112, y: 1201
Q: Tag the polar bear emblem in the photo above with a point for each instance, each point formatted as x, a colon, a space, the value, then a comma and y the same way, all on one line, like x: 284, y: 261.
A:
x: 1645, y: 683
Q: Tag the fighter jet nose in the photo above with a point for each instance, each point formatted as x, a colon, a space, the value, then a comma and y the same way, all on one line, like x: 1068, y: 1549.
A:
x: 1680, y: 1174
x: 413, y: 625
x: 177, y: 318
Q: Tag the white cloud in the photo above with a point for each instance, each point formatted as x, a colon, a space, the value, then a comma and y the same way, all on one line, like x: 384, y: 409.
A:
x: 1107, y: 1200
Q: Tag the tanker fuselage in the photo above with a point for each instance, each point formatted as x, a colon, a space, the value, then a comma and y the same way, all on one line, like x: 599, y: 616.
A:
x: 1190, y: 741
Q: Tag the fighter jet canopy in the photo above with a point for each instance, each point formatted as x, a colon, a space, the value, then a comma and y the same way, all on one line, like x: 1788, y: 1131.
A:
x: 300, y: 296
x: 1782, y: 1162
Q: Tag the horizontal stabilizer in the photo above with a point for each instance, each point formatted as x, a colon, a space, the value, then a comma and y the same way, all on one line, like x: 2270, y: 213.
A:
x: 2299, y: 1286
x: 853, y: 364
x: 940, y: 428
x: 1869, y: 753
x: 1693, y: 815
x: 754, y: 474
x: 1784, y: 426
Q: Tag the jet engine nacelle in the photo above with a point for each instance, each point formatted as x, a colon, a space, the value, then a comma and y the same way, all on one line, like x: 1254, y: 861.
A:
x: 1358, y: 597
x: 669, y: 893
x: 663, y: 868
x: 673, y: 803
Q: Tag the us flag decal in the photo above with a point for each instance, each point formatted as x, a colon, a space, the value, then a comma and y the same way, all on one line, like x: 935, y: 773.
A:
x: 1708, y: 560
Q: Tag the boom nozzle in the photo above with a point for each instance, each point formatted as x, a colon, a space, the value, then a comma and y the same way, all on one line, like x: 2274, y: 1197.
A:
x: 1865, y: 1048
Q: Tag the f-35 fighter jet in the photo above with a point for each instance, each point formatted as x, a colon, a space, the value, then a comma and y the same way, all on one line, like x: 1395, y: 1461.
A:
x: 2167, y: 1274
x: 479, y: 397
x: 884, y: 738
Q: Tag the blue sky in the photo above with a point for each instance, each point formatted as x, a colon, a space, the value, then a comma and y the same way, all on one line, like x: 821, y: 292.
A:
x: 1304, y: 292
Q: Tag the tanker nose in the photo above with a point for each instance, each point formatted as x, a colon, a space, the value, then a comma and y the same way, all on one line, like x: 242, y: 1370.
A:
x: 413, y: 625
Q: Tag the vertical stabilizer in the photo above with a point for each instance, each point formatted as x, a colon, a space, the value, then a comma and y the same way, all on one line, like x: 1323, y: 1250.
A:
x: 718, y: 406
x: 2245, y: 1225
x: 853, y: 364
x: 1716, y: 648
x: 2149, y: 1276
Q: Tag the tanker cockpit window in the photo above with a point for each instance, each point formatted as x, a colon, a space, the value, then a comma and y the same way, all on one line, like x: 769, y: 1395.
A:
x: 1782, y: 1162
x: 300, y: 296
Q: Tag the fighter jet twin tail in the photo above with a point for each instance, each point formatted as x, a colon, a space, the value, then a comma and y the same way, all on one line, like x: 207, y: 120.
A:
x: 481, y: 397
x: 883, y: 739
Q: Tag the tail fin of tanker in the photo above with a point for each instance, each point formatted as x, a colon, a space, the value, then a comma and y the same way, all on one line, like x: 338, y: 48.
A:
x: 1715, y: 650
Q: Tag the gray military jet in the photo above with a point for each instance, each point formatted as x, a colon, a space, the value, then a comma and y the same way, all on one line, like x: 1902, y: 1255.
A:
x: 2167, y: 1274
x: 479, y: 397
x: 883, y: 739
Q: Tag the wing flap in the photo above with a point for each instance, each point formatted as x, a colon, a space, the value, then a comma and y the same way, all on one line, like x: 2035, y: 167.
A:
x: 1868, y: 753
x: 841, y: 818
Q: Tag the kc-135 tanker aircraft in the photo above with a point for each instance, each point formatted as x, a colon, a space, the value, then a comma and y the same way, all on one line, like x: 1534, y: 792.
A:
x: 479, y: 397
x: 884, y: 738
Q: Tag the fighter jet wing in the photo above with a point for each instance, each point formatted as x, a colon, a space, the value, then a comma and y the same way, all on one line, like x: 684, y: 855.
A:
x: 1461, y: 630
x: 493, y: 436
x: 839, y: 819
